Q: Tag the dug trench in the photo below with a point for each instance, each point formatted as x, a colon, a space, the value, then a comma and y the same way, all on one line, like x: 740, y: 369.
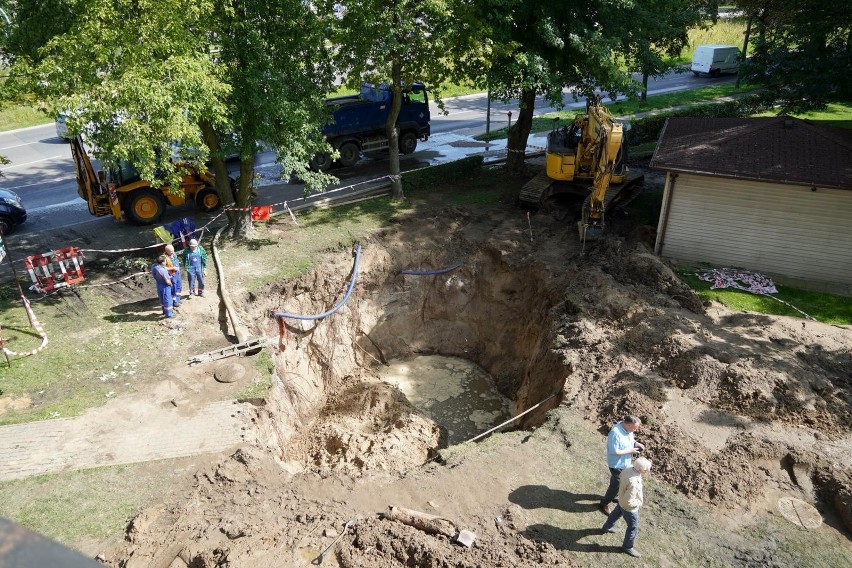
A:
x: 739, y: 409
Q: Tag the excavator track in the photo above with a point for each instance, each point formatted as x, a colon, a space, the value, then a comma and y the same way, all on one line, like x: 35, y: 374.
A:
x: 533, y: 191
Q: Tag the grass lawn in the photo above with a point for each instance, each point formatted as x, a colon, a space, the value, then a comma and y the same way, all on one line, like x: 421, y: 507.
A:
x: 20, y: 116
x: 631, y: 107
x: 835, y: 114
x: 826, y: 308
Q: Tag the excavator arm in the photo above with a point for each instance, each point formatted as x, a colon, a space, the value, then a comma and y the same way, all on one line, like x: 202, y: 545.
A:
x: 607, y: 144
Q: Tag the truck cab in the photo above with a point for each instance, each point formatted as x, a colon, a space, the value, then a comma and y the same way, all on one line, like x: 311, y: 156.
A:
x: 357, y: 123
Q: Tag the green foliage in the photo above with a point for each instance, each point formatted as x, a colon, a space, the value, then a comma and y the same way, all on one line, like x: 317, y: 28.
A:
x: 648, y: 129
x: 826, y: 308
x: 140, y: 75
x: 428, y: 178
x: 34, y: 23
x: 730, y: 31
x: 655, y: 31
x: 801, y: 52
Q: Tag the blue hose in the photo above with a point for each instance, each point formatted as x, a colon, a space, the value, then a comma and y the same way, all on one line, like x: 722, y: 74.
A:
x: 338, y: 306
x: 432, y: 272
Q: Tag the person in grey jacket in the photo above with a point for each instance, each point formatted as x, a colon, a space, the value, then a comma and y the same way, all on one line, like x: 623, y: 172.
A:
x: 630, y: 500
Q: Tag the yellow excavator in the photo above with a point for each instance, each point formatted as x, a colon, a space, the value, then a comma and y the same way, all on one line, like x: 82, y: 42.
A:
x: 121, y: 190
x: 586, y: 158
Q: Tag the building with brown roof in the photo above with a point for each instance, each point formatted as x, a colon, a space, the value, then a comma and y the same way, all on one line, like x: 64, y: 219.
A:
x: 772, y: 195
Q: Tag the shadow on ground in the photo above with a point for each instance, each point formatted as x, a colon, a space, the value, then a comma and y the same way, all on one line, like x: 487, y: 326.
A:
x: 541, y: 496
x: 140, y: 310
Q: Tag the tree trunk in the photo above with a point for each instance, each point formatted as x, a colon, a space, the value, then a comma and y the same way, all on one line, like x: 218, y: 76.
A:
x: 519, y: 133
x: 644, y: 97
x: 220, y: 170
x: 393, y: 131
x: 745, y: 47
x: 240, y: 220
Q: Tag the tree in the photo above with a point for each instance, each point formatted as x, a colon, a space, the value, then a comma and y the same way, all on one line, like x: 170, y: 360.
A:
x: 802, y: 50
x: 32, y: 24
x: 400, y: 41
x: 656, y: 31
x: 216, y: 76
x: 540, y: 47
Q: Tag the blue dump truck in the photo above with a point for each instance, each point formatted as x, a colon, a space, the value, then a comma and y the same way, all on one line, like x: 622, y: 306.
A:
x: 357, y: 123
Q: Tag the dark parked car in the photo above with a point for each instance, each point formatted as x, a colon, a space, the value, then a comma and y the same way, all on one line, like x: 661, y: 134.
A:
x: 12, y: 212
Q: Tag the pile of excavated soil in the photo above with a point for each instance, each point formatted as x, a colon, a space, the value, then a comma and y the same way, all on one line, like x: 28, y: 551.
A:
x: 736, y: 406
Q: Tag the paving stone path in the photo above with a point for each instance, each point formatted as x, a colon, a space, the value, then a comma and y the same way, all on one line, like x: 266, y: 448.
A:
x: 121, y: 433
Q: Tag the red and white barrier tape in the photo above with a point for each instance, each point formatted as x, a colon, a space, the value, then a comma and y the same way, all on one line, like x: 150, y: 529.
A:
x: 39, y: 329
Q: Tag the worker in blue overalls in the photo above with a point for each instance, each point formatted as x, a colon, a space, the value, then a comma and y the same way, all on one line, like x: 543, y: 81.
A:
x: 164, y: 285
x: 195, y: 261
x: 173, y: 266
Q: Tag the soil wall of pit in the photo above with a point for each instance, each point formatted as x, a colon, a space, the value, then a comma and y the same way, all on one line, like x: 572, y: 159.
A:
x: 488, y: 311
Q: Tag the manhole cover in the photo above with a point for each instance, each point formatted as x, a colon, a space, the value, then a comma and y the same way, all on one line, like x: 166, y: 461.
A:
x: 800, y: 513
x: 229, y: 372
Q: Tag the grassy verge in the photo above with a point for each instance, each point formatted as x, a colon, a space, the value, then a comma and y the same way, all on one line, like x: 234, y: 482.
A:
x: 89, y: 504
x: 631, y: 107
x: 20, y: 116
x: 100, y: 347
x: 826, y: 308
x: 835, y: 114
x: 337, y: 228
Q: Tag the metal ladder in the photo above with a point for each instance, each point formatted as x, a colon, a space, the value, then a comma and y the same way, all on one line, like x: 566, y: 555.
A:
x: 230, y: 351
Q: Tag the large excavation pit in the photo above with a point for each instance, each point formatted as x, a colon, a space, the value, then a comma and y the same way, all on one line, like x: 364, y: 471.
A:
x: 457, y: 394
x: 405, y: 367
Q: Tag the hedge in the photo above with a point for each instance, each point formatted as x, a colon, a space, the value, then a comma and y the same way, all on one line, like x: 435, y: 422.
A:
x: 647, y: 129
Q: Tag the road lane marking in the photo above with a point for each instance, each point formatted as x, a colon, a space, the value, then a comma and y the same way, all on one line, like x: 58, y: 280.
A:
x: 13, y: 187
x: 19, y: 145
x: 34, y: 162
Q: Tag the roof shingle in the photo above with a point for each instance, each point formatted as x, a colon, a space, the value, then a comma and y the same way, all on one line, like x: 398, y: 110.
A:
x: 779, y: 149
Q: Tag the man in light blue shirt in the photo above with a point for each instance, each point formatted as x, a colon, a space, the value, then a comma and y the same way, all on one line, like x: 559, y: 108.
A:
x: 620, y: 449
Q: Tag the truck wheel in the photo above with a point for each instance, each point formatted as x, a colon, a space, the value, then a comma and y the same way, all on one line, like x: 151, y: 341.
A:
x: 349, y: 154
x: 696, y: 73
x: 407, y: 142
x: 145, y: 206
x: 5, y: 226
x: 207, y: 199
x: 321, y: 162
x: 715, y: 72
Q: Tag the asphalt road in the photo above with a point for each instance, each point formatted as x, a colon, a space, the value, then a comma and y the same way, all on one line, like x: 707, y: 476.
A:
x: 42, y: 173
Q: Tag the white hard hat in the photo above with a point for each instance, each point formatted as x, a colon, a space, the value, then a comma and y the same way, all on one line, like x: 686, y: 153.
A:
x: 193, y: 243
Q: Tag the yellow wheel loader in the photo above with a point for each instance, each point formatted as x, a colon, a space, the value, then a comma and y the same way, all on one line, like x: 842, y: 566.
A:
x: 121, y: 191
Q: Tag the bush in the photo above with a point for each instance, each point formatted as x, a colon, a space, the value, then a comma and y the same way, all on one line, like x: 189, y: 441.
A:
x: 648, y: 129
x: 427, y: 178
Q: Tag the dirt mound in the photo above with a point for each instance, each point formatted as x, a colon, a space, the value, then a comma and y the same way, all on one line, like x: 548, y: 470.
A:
x: 366, y: 426
x: 382, y: 543
x: 244, y: 513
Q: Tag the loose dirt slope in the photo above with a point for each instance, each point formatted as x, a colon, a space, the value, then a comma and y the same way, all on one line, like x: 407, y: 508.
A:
x: 741, y: 409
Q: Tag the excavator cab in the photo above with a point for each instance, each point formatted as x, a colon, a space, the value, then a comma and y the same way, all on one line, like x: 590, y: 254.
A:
x: 586, y: 157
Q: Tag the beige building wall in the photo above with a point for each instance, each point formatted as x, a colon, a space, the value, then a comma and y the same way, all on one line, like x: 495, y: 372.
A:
x: 787, y: 231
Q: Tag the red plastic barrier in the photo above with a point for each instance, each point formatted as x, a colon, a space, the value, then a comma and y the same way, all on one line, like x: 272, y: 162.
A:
x: 55, y: 269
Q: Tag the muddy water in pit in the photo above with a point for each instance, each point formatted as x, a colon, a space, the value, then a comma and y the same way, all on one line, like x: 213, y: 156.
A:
x: 455, y: 393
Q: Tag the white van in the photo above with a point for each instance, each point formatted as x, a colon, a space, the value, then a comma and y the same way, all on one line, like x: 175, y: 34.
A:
x: 714, y: 60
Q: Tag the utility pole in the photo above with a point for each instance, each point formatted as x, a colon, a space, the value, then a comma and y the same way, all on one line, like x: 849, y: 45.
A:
x: 488, y: 113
